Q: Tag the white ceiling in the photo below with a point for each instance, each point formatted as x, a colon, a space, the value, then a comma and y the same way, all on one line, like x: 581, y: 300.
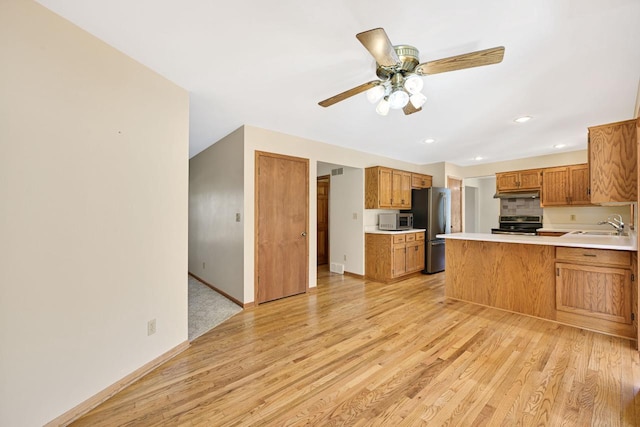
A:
x: 568, y: 63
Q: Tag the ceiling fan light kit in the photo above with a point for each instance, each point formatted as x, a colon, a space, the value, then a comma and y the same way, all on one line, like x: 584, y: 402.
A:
x: 399, y: 71
x: 376, y: 93
x: 383, y: 106
x: 417, y: 100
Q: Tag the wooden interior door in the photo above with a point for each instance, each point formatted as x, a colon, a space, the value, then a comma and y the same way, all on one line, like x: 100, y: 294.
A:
x: 323, y: 220
x: 282, y: 221
x: 455, y: 186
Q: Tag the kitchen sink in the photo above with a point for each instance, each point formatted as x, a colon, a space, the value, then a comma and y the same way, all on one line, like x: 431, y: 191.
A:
x: 599, y: 233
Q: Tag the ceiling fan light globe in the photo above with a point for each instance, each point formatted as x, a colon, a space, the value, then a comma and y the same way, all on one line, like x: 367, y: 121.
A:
x: 383, y: 107
x: 413, y: 84
x: 398, y: 99
x: 417, y: 100
x: 375, y: 94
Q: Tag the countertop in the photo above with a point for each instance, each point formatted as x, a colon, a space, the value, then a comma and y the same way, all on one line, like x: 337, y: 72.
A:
x: 629, y: 243
x: 376, y: 230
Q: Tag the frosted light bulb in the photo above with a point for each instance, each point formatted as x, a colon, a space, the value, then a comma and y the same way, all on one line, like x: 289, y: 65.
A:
x: 417, y: 100
x: 398, y: 99
x: 383, y: 107
x: 413, y: 84
x: 375, y: 94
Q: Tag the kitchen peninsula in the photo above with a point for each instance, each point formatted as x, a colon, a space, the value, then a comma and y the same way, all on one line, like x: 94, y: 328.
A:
x: 575, y: 279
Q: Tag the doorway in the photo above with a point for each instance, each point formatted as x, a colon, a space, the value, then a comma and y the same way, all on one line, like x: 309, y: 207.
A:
x: 323, y: 188
x: 282, y: 223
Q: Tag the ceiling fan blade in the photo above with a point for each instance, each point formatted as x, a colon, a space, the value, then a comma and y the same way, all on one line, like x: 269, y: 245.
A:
x: 348, y: 93
x: 410, y: 109
x: 460, y: 62
x: 379, y: 46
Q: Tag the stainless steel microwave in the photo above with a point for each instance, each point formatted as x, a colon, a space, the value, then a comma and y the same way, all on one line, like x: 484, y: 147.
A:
x: 395, y: 221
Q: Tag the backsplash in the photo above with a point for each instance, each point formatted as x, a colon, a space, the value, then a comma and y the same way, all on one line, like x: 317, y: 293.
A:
x: 520, y: 206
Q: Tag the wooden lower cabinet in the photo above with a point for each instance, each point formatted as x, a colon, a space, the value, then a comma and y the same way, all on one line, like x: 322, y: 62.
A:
x: 601, y: 292
x: 594, y: 289
x: 583, y: 287
x: 391, y: 256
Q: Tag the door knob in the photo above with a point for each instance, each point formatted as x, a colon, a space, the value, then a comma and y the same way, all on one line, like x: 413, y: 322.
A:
x: 303, y: 234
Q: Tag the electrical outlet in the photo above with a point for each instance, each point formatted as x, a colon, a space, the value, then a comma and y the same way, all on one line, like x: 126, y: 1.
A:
x: 355, y: 215
x: 345, y: 257
x: 151, y: 327
x: 203, y: 265
x: 238, y: 217
x: 572, y: 217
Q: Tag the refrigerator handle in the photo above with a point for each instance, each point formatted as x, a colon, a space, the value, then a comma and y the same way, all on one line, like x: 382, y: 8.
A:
x: 444, y: 213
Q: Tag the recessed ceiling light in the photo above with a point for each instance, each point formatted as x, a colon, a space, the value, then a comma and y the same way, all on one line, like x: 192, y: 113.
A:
x: 559, y: 145
x: 429, y: 141
x: 477, y: 158
x: 522, y: 119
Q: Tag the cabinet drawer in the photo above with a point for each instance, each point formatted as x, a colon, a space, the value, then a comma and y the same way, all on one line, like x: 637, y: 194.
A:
x: 419, y: 236
x: 399, y: 238
x: 411, y: 237
x: 594, y: 256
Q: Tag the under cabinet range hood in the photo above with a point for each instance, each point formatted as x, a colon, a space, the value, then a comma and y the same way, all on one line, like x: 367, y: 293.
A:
x: 517, y: 195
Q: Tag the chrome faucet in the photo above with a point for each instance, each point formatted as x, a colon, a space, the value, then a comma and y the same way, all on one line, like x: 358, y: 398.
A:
x: 615, y: 221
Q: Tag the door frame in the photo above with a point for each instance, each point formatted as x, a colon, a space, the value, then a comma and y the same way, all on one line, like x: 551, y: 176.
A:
x: 462, y: 216
x: 256, y: 187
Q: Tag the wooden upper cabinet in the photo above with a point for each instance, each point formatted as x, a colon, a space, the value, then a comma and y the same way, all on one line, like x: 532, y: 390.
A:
x: 565, y: 185
x: 506, y: 181
x: 518, y: 180
x: 387, y: 188
x: 401, y: 189
x: 421, y: 181
x: 613, y: 162
x: 529, y: 179
x: 385, y: 185
x: 579, y: 183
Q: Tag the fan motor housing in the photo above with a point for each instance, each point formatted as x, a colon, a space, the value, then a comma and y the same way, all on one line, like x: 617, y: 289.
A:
x: 409, y: 58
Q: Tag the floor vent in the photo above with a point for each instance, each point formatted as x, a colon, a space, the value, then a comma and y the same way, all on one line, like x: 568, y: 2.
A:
x: 336, y: 268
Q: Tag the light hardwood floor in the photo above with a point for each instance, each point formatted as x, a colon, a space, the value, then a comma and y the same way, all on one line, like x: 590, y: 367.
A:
x: 364, y: 353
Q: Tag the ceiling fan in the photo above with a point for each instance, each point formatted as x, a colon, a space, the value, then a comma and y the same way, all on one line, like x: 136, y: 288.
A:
x: 399, y: 71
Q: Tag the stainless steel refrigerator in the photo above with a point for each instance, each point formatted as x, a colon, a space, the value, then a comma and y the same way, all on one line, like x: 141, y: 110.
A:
x: 431, y: 208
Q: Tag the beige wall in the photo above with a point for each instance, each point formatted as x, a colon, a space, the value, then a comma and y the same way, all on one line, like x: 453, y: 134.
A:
x: 216, y: 195
x: 275, y: 142
x: 93, y: 215
x: 550, y: 160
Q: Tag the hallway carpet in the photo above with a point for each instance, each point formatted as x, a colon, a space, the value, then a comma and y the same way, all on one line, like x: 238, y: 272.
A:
x: 207, y: 308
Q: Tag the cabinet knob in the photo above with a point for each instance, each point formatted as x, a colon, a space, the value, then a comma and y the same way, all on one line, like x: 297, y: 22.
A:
x: 303, y: 234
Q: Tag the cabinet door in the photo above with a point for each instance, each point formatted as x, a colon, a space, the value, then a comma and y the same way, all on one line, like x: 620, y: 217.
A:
x: 529, y: 180
x: 613, y: 162
x: 413, y: 256
x: 420, y: 255
x: 420, y: 181
x: 385, y: 186
x: 555, y: 187
x: 399, y: 260
x: 602, y: 292
x: 507, y: 181
x: 579, y: 182
x: 401, y: 189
